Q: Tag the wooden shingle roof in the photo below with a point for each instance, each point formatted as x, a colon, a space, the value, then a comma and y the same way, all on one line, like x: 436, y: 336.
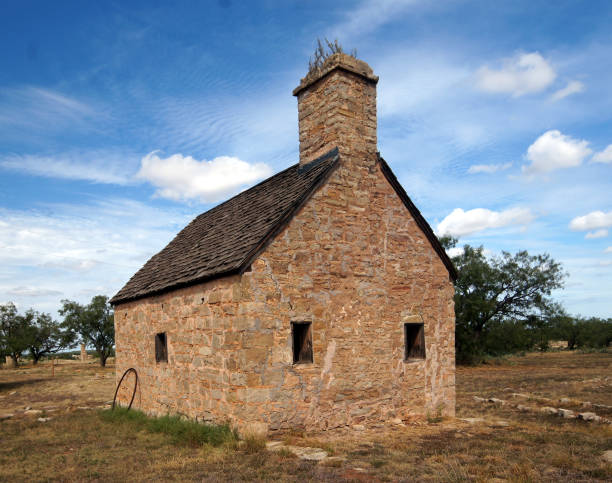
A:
x: 226, y: 239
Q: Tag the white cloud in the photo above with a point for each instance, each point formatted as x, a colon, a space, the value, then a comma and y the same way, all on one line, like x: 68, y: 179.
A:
x: 608, y: 250
x: 33, y: 292
x: 604, y: 156
x: 554, y: 150
x: 520, y: 75
x: 94, y: 166
x: 488, y: 168
x: 592, y: 221
x: 572, y: 87
x: 460, y: 223
x: 181, y: 177
x: 455, y: 251
x: 596, y: 234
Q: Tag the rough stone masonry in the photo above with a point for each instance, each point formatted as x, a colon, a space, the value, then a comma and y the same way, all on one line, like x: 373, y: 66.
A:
x: 353, y: 261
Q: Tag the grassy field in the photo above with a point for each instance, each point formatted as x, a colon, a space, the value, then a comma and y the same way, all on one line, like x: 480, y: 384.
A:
x: 83, y: 441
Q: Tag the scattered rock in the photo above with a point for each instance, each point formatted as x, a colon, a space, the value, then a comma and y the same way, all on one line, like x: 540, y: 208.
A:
x: 589, y: 417
x: 494, y: 400
x: 608, y: 456
x: 12, y: 392
x: 500, y: 424
x: 473, y: 420
x: 479, y: 399
x: 566, y: 413
x: 521, y: 407
x: 303, y: 452
x: 602, y: 406
x: 586, y: 404
x: 565, y: 400
x: 333, y: 461
x: 358, y: 427
x: 548, y: 410
x: 271, y: 445
x: 397, y: 421
x: 43, y: 420
x: 27, y: 408
x: 5, y: 416
x: 32, y: 412
x: 521, y: 395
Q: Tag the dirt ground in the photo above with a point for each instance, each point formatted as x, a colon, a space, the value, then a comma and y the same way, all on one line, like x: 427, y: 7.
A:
x: 488, y: 441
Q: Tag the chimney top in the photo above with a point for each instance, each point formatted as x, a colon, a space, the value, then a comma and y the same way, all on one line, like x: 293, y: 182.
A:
x: 333, y: 62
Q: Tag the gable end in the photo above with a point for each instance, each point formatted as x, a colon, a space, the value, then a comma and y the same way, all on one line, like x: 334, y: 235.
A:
x: 418, y: 218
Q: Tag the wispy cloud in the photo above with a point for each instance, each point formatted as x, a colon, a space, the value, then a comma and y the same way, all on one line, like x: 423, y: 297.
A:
x: 554, y: 150
x: 522, y: 74
x: 572, y: 87
x: 75, y: 251
x: 460, y: 222
x: 32, y: 292
x: 110, y: 167
x: 368, y: 16
x: 41, y: 108
x: 179, y: 177
x: 596, y: 234
x: 488, y: 168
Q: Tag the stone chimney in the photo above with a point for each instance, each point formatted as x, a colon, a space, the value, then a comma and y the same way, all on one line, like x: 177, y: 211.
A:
x: 337, y: 108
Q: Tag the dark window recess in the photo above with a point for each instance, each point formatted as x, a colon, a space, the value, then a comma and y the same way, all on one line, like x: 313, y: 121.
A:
x: 302, y: 342
x: 414, y: 337
x: 161, y: 347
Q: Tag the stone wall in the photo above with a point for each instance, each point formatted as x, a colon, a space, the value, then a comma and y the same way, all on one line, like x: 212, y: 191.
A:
x: 355, y: 264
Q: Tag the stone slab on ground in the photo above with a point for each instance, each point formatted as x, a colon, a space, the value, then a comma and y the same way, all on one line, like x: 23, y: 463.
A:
x: 302, y: 452
x: 32, y: 412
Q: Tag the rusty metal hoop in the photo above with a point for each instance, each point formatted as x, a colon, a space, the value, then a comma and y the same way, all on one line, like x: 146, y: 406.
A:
x: 131, y: 369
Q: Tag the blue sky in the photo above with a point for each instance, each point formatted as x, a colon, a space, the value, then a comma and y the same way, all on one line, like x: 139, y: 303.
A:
x: 119, y: 122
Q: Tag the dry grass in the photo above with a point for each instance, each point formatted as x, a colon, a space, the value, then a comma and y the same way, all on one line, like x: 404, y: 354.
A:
x: 87, y: 445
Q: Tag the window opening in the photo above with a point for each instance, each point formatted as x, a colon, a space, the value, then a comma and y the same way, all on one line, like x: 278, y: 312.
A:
x: 161, y: 347
x: 302, y: 342
x: 414, y: 339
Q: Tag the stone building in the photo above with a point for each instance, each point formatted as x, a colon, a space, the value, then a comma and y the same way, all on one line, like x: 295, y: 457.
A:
x: 318, y: 298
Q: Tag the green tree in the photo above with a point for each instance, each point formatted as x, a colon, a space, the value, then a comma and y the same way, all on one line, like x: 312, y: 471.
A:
x: 92, y: 324
x: 594, y: 333
x: 45, y: 336
x: 14, y: 332
x: 495, y: 290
